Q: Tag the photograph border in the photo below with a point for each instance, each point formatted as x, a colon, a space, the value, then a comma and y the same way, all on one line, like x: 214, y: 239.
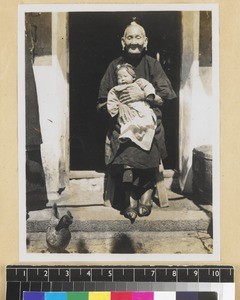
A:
x: 23, y: 255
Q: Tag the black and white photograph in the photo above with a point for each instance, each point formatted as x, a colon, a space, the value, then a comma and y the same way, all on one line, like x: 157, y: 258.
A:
x: 118, y: 132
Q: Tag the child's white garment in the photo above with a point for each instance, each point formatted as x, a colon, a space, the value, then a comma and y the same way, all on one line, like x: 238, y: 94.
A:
x: 141, y: 129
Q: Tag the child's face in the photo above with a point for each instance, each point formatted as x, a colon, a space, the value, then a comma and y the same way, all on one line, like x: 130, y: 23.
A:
x: 123, y: 77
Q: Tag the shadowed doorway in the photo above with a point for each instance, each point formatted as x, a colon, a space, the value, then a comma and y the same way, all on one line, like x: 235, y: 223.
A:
x: 94, y: 41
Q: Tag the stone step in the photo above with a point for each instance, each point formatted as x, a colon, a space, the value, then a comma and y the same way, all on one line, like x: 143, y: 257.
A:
x: 83, y: 198
x: 102, y: 219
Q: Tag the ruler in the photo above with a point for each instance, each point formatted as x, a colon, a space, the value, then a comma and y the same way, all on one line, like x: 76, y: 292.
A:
x: 113, y: 278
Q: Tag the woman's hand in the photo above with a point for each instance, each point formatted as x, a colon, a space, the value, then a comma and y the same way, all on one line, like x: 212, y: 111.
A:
x: 155, y: 101
x: 125, y: 113
x: 132, y: 94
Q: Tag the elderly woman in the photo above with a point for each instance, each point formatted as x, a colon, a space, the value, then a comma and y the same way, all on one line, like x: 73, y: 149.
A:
x: 132, y: 167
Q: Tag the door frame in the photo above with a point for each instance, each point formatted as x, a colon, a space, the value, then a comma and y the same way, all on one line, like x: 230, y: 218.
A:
x: 172, y: 107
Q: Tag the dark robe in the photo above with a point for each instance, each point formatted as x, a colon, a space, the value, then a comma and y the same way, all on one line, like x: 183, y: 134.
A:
x: 128, y: 153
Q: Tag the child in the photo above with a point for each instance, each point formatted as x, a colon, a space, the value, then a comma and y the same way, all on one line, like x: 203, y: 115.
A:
x: 141, y: 121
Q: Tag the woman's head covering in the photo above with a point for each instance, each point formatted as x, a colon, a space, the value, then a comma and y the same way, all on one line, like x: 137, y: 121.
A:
x: 135, y: 24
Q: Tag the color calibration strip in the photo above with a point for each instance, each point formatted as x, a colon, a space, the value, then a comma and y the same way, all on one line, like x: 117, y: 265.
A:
x: 120, y: 296
x: 114, y: 282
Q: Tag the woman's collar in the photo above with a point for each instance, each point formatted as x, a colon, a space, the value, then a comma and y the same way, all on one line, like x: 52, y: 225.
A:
x: 133, y: 58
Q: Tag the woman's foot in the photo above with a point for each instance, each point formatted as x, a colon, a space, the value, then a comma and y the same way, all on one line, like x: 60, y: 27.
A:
x: 131, y: 213
x: 145, y: 204
x: 144, y: 210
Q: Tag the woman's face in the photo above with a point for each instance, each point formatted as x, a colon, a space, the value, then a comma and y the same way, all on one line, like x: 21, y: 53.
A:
x: 134, y: 40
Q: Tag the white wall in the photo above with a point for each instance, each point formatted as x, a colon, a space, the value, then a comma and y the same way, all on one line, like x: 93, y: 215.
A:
x: 53, y: 98
x: 196, y: 101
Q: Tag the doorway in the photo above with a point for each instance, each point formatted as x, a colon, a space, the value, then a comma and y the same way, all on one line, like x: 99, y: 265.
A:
x: 94, y: 41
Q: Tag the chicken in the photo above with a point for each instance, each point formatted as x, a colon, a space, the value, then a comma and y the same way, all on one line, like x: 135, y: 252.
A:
x: 58, y: 234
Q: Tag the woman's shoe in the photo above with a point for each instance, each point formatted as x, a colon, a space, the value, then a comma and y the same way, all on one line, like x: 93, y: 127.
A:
x: 145, y: 204
x: 131, y: 213
x: 144, y: 210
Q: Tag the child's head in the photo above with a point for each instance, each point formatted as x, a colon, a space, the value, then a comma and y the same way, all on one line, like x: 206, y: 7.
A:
x: 125, y: 74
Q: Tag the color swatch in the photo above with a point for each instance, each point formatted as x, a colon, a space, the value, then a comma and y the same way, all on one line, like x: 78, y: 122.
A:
x: 120, y: 295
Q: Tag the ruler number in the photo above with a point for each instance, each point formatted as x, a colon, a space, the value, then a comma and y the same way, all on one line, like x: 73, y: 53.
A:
x: 152, y: 273
x: 45, y: 273
x: 67, y: 273
x: 195, y: 272
x: 215, y: 273
x: 110, y: 273
x: 174, y: 273
x: 89, y: 273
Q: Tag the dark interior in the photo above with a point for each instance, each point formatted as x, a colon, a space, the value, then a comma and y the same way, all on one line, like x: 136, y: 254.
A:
x: 94, y: 39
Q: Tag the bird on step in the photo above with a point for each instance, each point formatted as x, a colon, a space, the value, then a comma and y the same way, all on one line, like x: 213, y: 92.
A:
x: 58, y: 234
